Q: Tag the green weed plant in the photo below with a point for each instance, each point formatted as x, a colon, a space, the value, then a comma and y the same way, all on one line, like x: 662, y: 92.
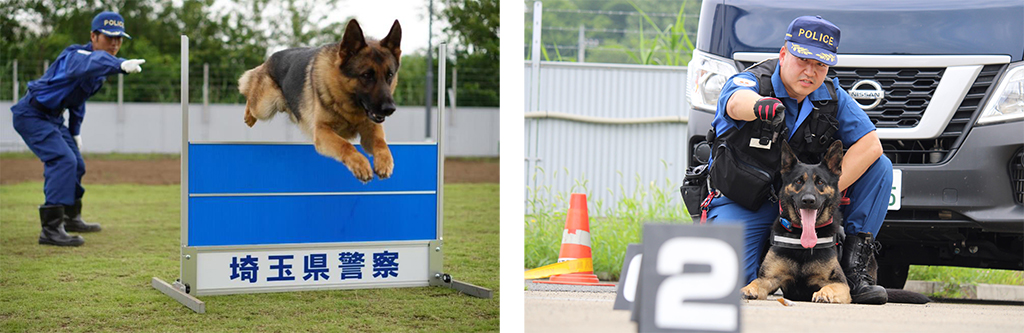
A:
x: 959, y: 282
x: 612, y: 226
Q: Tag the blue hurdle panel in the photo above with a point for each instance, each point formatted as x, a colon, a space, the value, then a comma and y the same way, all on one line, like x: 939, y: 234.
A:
x: 258, y: 194
x: 289, y: 168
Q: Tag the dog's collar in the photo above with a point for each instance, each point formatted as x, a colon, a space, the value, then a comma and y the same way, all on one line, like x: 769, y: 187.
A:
x: 790, y: 242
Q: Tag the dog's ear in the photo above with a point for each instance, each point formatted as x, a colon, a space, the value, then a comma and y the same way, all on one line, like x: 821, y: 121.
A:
x: 352, y: 41
x: 834, y: 158
x: 788, y: 157
x: 393, y: 41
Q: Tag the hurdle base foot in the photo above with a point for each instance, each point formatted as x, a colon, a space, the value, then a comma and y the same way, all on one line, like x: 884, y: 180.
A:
x: 177, y: 292
x: 469, y: 289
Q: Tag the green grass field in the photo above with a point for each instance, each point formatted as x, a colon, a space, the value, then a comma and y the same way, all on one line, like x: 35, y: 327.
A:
x: 104, y: 286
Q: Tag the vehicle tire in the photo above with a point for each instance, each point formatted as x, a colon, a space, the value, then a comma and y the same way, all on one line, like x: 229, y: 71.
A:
x: 892, y: 275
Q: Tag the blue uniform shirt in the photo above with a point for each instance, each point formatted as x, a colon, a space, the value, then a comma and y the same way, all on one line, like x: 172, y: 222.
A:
x: 853, y: 122
x: 76, y: 74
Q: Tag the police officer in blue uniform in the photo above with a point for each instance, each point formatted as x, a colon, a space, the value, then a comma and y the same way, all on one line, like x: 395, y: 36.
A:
x: 791, y: 98
x: 76, y: 74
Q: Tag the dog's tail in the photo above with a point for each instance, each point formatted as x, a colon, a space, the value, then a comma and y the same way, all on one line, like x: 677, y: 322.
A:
x: 906, y: 296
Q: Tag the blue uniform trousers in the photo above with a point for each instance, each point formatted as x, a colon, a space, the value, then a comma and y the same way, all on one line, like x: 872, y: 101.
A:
x: 51, y: 141
x: 869, y: 199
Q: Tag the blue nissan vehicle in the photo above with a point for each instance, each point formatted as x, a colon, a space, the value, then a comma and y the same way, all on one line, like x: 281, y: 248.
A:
x: 943, y: 81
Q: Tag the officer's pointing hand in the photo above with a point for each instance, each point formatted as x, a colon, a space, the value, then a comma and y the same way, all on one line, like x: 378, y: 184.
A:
x: 132, y: 66
x: 766, y: 108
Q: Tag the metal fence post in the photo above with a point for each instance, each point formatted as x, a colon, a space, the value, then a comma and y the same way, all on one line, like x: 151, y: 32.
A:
x: 582, y: 46
x: 430, y: 68
x: 452, y: 94
x: 535, y: 57
x: 120, y: 97
x: 15, y: 75
x: 120, y: 114
x: 206, y: 101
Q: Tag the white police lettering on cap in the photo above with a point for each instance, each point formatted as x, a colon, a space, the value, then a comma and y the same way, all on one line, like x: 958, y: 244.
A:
x: 739, y: 81
x: 114, y: 23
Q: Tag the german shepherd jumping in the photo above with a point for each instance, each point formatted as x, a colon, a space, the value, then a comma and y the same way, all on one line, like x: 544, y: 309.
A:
x: 333, y: 92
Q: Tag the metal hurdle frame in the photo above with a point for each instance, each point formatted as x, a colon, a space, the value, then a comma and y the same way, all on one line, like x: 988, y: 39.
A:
x: 185, y: 288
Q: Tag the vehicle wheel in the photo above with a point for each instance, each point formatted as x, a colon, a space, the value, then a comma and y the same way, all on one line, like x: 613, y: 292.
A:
x: 892, y: 275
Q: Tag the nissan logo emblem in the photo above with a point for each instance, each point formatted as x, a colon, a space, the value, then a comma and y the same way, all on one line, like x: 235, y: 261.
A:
x: 876, y: 93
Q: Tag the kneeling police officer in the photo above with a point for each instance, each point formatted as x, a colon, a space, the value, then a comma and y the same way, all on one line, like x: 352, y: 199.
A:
x: 790, y: 98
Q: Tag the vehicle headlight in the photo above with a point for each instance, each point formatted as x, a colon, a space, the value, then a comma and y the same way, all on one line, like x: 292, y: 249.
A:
x: 705, y: 76
x: 1007, y: 100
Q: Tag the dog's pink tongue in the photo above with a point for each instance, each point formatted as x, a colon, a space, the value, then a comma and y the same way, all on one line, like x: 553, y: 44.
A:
x: 808, y: 238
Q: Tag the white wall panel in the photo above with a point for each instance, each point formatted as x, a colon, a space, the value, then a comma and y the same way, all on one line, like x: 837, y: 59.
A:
x: 606, y: 161
x: 156, y: 128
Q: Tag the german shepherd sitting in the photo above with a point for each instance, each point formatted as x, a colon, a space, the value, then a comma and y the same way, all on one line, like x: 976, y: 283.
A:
x: 805, y: 262
x: 333, y: 92
x: 803, y: 259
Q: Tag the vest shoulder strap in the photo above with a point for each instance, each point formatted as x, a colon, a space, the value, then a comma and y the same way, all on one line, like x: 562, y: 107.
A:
x: 763, y: 71
x: 829, y: 106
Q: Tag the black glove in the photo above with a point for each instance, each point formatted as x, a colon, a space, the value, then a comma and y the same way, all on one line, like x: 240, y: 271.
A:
x: 766, y: 108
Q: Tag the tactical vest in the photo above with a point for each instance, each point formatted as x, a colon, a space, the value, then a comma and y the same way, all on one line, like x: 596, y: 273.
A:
x: 747, y: 160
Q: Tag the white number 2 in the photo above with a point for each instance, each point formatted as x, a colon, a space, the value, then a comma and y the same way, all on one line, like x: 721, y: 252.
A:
x: 674, y: 308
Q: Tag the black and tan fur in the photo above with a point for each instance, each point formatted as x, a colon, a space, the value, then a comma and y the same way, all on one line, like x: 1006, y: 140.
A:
x: 806, y: 274
x: 333, y: 92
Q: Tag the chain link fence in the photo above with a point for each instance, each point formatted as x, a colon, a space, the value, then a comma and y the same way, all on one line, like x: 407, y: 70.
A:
x: 160, y: 83
x: 624, y: 34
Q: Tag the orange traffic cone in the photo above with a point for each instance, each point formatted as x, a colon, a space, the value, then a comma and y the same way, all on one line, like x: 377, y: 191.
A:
x: 576, y: 245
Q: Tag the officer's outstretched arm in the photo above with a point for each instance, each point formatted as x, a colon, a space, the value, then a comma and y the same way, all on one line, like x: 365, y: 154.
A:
x: 859, y: 158
x: 91, y: 64
x: 741, y: 105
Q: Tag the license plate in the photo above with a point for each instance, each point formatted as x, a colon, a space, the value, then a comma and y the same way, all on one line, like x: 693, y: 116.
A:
x: 897, y: 189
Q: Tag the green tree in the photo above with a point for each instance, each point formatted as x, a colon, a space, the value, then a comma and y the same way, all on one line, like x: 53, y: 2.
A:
x: 231, y: 40
x: 473, y: 25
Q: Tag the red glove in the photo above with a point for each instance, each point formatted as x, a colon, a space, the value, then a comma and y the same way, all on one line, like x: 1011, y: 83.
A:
x: 766, y: 108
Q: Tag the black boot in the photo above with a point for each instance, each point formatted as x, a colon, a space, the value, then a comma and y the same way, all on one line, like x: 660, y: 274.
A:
x: 858, y: 265
x: 53, y: 228
x: 75, y: 223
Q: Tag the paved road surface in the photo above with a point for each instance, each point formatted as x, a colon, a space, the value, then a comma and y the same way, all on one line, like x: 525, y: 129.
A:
x: 559, y: 311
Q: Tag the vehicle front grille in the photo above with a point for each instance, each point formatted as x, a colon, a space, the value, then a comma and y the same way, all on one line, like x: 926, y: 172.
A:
x: 907, y: 92
x: 932, y: 151
x: 1017, y: 175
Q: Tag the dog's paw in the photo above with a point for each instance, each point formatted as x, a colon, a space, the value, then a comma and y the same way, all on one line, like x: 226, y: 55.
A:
x: 383, y: 165
x: 823, y: 297
x: 831, y: 294
x: 249, y: 119
x: 751, y: 291
x: 360, y: 167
